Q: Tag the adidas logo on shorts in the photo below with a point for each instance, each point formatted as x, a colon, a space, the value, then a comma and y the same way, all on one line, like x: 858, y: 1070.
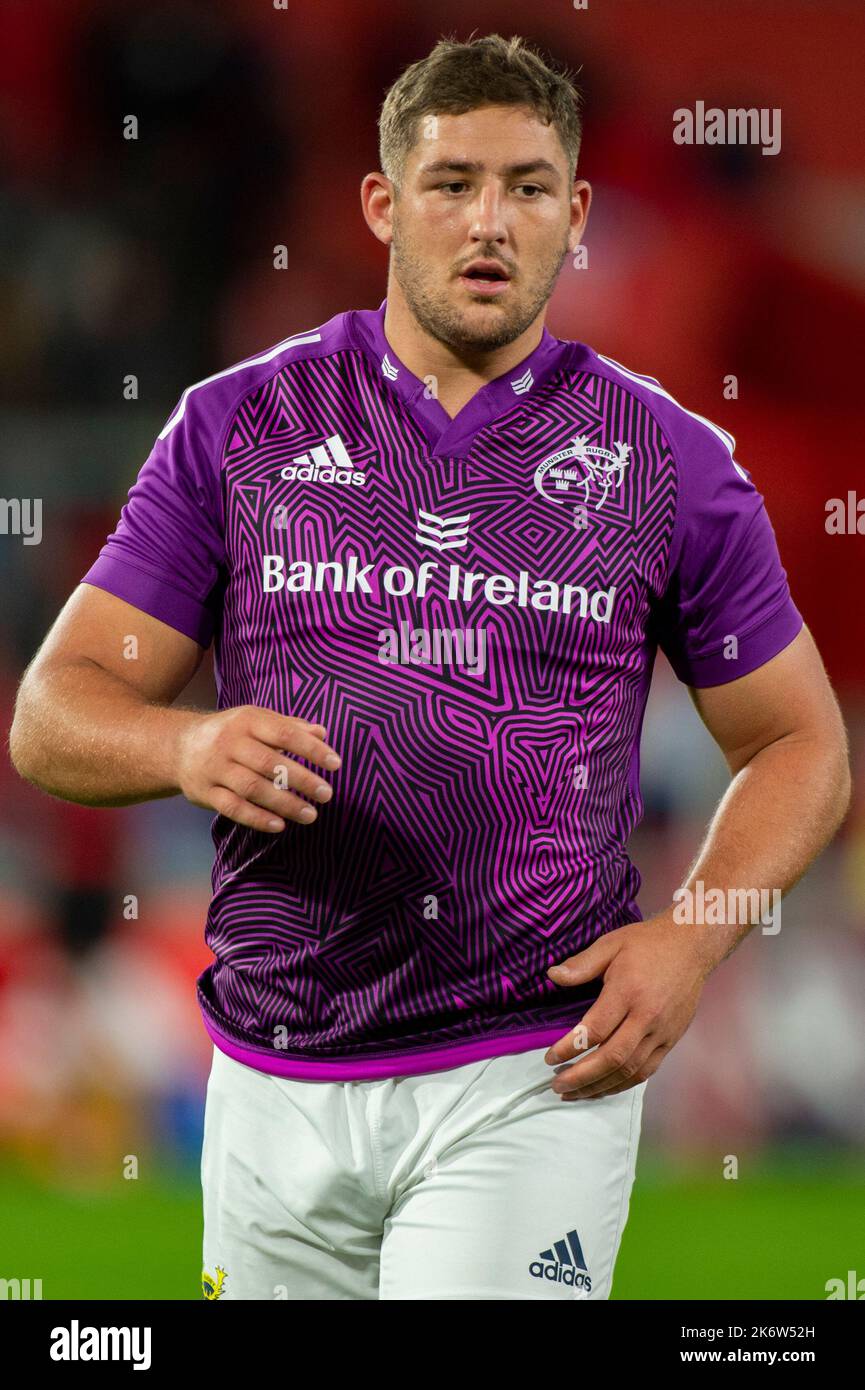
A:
x: 563, y: 1263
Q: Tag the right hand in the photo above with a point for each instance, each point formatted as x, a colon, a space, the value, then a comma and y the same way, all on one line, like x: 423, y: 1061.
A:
x: 228, y: 762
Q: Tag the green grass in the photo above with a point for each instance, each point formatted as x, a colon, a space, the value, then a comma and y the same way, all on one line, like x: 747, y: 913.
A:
x: 132, y: 1240
x: 778, y: 1232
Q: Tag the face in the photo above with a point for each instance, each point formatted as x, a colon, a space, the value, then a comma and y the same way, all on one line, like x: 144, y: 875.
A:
x: 487, y: 186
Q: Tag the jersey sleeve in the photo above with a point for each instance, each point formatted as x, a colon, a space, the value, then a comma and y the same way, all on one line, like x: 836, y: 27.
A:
x: 168, y: 549
x: 727, y: 608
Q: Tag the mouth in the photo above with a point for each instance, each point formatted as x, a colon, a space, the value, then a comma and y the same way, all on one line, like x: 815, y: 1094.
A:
x: 486, y: 278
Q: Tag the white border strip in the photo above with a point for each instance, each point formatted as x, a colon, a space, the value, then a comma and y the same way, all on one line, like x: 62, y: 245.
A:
x: 726, y: 439
x: 229, y: 371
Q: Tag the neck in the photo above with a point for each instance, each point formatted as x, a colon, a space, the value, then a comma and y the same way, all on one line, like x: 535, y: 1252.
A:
x: 458, y: 372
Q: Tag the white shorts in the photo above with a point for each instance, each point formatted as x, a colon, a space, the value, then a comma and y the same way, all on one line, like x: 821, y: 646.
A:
x: 478, y: 1182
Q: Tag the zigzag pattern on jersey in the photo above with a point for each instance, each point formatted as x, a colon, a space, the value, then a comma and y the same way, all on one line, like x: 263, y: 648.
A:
x: 458, y: 858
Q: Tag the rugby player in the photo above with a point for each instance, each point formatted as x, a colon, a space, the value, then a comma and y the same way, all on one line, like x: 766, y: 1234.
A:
x: 437, y: 549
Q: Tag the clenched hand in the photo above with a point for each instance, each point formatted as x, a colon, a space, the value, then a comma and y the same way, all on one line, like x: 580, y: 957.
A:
x: 654, y: 973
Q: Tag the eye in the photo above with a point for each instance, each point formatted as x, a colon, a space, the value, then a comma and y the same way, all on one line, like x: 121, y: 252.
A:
x: 455, y: 183
x: 533, y: 187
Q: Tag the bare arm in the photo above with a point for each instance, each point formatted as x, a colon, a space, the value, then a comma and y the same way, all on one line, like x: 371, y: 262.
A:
x: 94, y: 724
x: 783, y: 737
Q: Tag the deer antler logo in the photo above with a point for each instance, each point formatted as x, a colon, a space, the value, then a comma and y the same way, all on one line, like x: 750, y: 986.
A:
x: 604, y: 470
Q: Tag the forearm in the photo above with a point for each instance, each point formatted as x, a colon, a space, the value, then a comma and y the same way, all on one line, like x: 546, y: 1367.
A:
x: 776, y: 816
x: 82, y: 734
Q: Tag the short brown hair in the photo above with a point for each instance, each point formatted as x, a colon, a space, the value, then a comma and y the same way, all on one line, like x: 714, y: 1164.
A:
x: 458, y: 77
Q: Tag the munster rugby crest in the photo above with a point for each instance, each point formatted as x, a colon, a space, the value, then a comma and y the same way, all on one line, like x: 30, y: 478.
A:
x: 599, y: 472
x: 212, y: 1287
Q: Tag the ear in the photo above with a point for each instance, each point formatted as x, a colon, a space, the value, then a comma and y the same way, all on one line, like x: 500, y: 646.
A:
x: 377, y: 199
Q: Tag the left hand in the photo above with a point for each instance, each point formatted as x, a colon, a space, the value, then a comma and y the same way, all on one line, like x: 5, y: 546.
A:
x: 653, y: 979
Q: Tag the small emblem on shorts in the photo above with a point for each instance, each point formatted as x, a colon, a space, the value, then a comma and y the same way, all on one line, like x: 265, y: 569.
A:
x: 210, y: 1287
x: 563, y: 1263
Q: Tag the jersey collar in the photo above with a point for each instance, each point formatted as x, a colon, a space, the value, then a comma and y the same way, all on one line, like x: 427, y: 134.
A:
x: 452, y: 436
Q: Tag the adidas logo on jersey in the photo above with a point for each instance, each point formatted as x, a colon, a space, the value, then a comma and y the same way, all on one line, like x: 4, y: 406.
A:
x: 563, y: 1263
x: 319, y: 466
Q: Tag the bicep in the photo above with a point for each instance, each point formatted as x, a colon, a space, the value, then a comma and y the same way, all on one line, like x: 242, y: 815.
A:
x: 788, y: 695
x: 96, y: 626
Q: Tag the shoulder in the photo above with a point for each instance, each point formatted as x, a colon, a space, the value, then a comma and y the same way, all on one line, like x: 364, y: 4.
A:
x: 687, y: 432
x: 207, y: 404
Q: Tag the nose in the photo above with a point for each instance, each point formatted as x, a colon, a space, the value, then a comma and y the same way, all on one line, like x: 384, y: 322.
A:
x: 487, y: 222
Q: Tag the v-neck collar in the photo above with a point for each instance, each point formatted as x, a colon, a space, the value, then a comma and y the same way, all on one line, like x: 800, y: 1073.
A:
x: 451, y: 436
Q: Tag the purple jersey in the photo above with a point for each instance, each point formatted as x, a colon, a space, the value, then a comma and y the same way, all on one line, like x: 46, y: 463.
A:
x: 472, y: 608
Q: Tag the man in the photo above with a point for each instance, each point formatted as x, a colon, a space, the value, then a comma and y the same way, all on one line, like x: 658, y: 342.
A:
x: 437, y: 548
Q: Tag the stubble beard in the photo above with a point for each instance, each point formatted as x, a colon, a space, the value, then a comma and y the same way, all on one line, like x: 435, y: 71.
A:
x: 428, y: 302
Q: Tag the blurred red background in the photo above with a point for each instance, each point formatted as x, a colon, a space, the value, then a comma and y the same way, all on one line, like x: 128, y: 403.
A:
x: 154, y: 257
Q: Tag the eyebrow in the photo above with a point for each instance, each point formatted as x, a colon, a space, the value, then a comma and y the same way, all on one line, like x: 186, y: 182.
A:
x: 470, y: 166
